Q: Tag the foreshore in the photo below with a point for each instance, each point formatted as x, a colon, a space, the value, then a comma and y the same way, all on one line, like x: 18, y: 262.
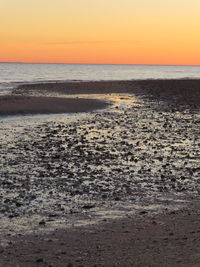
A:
x: 182, y: 91
x: 140, y: 164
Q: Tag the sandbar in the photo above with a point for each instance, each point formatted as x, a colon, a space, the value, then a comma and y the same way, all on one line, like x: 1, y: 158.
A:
x: 178, y: 91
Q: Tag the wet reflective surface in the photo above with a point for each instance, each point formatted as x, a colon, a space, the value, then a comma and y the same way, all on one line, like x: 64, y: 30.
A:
x: 131, y: 159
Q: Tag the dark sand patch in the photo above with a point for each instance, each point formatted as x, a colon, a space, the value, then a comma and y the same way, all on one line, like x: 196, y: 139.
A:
x: 166, y: 240
x: 174, y: 94
x: 13, y: 105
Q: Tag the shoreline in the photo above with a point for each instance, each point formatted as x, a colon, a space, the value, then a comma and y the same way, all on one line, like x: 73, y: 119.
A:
x: 171, y: 91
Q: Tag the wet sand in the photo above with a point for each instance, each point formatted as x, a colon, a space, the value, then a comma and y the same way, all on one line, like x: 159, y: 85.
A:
x: 34, y: 98
x: 138, y: 164
x: 17, y: 104
x: 183, y: 91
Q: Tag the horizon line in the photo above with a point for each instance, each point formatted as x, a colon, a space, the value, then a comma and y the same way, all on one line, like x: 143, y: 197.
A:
x: 70, y: 63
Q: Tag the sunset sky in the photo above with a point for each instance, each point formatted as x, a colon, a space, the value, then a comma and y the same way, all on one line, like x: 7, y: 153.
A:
x: 100, y: 31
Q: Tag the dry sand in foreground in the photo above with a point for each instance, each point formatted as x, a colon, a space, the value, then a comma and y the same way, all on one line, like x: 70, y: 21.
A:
x: 165, y: 240
x: 13, y: 105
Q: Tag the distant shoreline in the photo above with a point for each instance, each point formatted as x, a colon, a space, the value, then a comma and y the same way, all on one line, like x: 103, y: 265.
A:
x: 116, y: 64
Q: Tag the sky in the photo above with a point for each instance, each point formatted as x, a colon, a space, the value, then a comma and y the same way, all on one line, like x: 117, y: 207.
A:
x: 163, y: 32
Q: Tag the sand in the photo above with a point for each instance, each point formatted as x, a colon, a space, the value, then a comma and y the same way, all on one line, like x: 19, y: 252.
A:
x: 166, y: 240
x: 181, y: 91
x: 140, y: 164
x: 34, y: 98
x: 17, y: 104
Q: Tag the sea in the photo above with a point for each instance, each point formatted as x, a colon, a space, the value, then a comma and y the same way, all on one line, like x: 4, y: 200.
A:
x: 14, y: 74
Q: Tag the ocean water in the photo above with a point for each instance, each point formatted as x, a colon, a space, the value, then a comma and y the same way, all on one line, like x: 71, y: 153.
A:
x: 13, y: 74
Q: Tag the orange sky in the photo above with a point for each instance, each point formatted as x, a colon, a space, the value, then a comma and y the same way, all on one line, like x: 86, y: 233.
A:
x: 101, y: 31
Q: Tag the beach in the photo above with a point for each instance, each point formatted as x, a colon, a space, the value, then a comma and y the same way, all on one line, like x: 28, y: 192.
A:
x: 117, y: 186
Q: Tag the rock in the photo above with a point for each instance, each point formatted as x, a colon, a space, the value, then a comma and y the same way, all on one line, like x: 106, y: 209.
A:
x: 143, y: 212
x: 88, y: 206
x: 40, y: 260
x: 42, y: 223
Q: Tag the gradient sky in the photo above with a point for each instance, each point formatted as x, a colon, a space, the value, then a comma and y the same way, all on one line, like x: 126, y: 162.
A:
x: 101, y: 31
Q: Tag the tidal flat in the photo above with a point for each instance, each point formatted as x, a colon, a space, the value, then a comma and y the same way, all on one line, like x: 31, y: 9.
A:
x: 138, y: 157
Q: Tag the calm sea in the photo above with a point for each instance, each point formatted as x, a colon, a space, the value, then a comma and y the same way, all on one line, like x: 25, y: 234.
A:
x: 12, y: 74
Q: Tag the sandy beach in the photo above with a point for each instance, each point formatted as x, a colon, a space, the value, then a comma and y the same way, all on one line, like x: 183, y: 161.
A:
x: 100, y: 133
x: 118, y: 187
